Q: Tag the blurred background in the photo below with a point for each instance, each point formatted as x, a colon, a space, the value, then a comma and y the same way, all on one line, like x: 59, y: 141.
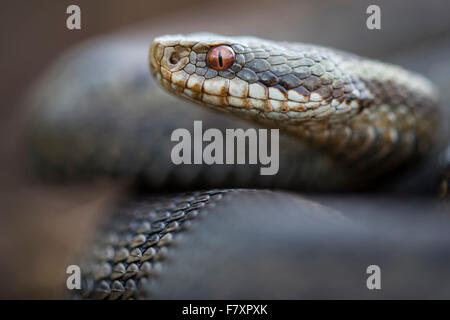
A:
x: 42, y: 225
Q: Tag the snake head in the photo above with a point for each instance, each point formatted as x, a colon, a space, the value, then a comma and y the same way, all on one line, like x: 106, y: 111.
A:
x: 279, y: 82
x: 197, y: 66
x: 256, y: 78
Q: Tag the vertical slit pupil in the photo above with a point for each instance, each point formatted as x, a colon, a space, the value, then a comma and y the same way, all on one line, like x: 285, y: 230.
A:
x: 220, y: 59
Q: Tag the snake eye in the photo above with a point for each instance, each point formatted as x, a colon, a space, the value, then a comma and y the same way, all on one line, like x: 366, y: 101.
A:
x: 220, y: 58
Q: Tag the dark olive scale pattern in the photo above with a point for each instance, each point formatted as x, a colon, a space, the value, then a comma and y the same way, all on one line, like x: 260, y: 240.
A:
x: 130, y: 251
x: 305, y: 73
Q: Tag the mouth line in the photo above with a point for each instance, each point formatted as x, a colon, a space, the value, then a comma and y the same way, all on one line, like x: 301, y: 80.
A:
x: 301, y: 111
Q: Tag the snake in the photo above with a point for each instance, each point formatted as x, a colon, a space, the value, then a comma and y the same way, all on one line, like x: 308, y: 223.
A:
x: 347, y: 123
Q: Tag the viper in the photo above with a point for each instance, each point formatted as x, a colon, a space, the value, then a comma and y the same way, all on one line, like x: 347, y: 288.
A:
x: 188, y: 231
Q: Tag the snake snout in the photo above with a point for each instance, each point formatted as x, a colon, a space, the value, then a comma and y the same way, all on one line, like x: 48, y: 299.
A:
x: 175, y: 58
x: 168, y: 56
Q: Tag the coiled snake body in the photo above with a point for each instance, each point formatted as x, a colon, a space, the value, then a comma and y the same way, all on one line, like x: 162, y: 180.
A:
x: 348, y: 121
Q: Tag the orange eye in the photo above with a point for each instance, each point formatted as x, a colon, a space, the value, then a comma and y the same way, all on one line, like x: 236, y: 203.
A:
x: 220, y: 58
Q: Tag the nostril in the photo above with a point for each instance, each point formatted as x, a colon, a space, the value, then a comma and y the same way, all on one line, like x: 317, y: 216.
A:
x: 174, y: 58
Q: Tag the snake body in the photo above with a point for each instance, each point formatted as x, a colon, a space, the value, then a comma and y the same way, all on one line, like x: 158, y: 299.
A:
x: 348, y: 120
